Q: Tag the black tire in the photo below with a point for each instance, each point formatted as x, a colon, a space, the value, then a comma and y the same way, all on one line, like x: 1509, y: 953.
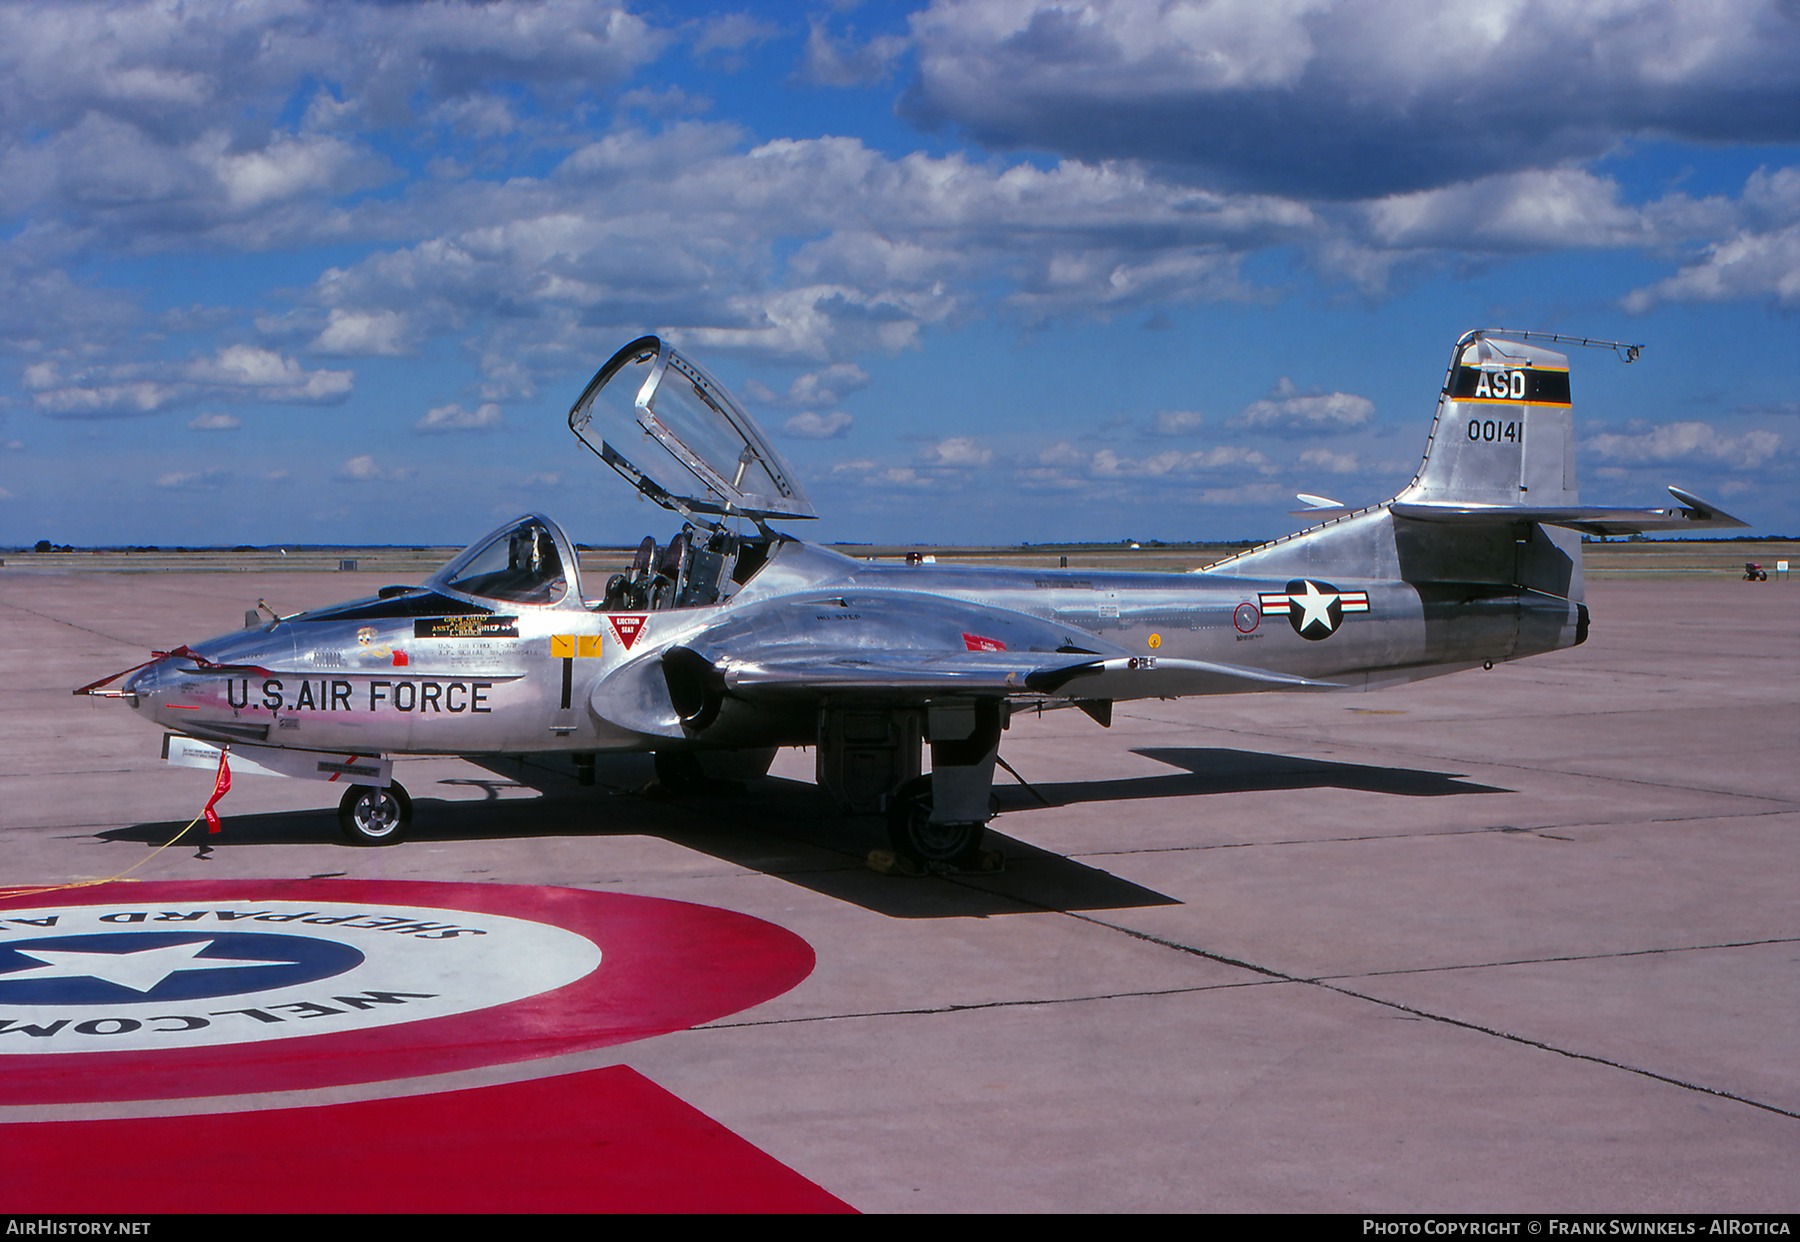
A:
x: 679, y: 772
x: 371, y: 816
x: 912, y: 834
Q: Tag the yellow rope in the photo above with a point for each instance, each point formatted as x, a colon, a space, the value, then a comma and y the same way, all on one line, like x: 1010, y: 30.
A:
x: 31, y: 890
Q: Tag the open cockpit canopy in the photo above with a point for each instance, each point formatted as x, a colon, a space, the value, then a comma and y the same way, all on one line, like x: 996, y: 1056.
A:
x: 688, y: 430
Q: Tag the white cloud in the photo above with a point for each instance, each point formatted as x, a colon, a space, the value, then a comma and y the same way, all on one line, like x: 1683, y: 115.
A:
x: 1333, y: 462
x: 165, y: 66
x: 829, y: 386
x: 1749, y: 266
x: 1686, y: 441
x: 957, y: 451
x: 732, y: 32
x: 1177, y: 422
x: 1533, y: 210
x: 455, y: 418
x: 810, y: 426
x: 873, y: 474
x: 630, y: 230
x: 364, y: 469
x: 214, y: 422
x: 287, y: 168
x: 362, y: 333
x: 1107, y: 463
x: 1287, y: 411
x: 109, y: 400
x: 1332, y: 99
x: 191, y: 479
x: 142, y: 122
x: 833, y: 61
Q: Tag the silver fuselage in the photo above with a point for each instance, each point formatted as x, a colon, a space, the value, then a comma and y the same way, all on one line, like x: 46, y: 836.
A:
x: 570, y: 677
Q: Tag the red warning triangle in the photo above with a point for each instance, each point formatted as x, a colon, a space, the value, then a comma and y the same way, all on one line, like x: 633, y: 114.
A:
x: 627, y: 629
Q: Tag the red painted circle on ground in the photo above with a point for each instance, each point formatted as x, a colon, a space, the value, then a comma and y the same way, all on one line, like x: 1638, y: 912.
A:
x: 664, y: 966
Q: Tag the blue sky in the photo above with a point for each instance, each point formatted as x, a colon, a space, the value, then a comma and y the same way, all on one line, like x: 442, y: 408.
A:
x: 987, y: 270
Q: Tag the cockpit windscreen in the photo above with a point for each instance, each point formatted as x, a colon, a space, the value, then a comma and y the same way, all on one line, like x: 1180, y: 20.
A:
x: 519, y: 565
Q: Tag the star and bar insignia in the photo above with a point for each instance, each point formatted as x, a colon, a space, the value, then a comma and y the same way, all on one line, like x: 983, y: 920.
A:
x: 1314, y: 609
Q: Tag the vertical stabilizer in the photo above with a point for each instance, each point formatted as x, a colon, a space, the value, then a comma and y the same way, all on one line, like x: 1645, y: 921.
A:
x: 1503, y: 433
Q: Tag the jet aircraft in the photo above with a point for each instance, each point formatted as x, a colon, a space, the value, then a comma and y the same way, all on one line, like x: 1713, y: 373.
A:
x: 734, y: 639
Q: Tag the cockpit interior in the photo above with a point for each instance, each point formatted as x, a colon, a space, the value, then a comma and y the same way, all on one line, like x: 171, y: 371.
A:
x: 532, y: 562
x: 695, y: 569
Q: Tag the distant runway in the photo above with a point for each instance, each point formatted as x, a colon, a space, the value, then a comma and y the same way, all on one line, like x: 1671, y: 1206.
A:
x: 1519, y: 940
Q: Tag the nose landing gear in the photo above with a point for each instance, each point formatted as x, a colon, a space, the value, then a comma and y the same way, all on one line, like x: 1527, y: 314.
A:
x: 372, y: 816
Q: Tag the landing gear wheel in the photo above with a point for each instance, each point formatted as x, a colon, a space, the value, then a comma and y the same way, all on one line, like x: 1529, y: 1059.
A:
x: 371, y: 816
x: 912, y: 834
x: 679, y: 772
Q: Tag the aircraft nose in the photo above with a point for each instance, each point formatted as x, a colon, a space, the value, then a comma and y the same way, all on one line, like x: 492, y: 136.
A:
x: 143, y: 686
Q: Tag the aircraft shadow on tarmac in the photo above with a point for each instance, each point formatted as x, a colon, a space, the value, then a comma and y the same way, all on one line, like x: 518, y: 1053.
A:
x: 782, y: 828
x: 1215, y: 770
x: 788, y: 830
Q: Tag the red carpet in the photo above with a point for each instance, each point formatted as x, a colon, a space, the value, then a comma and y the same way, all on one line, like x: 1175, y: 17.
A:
x: 606, y: 1140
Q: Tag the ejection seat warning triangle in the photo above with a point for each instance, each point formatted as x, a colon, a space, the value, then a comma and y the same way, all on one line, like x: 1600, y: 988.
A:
x: 627, y: 629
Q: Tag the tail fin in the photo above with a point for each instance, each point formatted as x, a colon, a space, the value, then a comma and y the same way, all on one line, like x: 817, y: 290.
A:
x: 1495, y: 499
x: 1502, y: 448
x: 1503, y: 434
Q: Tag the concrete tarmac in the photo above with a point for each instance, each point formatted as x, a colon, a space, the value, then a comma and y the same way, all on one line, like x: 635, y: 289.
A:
x: 1513, y: 941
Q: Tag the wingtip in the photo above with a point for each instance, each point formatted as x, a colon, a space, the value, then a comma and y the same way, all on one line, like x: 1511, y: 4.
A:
x: 1704, y: 511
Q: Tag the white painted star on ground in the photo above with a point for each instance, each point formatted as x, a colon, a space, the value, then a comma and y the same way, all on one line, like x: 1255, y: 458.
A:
x: 1314, y: 606
x: 141, y: 970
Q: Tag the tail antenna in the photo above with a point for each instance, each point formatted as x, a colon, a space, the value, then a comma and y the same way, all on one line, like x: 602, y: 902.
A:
x: 1627, y: 353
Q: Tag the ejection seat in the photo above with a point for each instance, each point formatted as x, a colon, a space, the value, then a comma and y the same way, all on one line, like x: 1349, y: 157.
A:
x: 665, y: 587
x: 630, y: 592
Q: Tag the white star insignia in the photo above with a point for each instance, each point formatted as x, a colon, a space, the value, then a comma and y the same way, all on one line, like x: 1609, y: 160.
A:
x: 1314, y: 607
x: 141, y: 970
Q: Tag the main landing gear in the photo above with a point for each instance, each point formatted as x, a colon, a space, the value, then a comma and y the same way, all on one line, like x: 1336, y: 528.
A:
x: 371, y: 816
x: 869, y: 760
x: 914, y: 836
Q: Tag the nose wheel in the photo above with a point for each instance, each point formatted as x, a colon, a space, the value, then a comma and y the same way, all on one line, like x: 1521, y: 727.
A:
x: 371, y: 816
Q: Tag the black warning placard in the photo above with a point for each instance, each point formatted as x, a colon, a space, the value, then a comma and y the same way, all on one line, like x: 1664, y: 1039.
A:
x: 1513, y: 386
x: 466, y: 627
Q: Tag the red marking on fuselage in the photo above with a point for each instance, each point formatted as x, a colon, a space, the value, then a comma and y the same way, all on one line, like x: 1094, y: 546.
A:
x: 627, y: 629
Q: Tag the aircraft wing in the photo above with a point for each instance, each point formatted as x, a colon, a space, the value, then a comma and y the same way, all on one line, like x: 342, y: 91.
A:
x: 1692, y: 514
x: 911, y: 674
x: 896, y: 648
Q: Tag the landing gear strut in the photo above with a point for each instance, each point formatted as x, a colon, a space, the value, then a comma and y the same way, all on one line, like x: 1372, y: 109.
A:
x: 869, y: 760
x: 371, y: 816
x: 679, y: 772
x: 912, y: 834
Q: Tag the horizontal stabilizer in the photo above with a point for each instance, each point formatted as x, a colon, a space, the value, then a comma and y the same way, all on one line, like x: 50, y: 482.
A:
x: 1320, y: 507
x: 1691, y: 514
